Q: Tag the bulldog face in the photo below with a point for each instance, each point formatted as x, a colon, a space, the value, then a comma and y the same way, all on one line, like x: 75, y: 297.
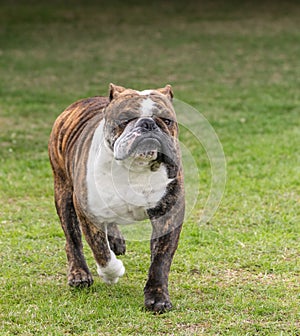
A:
x: 141, y: 128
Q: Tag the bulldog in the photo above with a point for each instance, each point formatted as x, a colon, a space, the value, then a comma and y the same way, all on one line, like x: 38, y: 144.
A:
x: 116, y: 160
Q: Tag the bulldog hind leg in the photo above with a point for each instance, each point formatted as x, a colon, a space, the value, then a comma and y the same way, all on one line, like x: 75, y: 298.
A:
x: 116, y: 240
x: 78, y: 274
x: 112, y: 271
x: 108, y: 266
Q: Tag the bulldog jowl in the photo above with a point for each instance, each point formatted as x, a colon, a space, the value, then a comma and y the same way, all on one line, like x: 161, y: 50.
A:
x: 116, y: 160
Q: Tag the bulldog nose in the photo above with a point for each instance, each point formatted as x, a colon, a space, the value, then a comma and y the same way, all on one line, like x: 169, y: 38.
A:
x: 147, y: 124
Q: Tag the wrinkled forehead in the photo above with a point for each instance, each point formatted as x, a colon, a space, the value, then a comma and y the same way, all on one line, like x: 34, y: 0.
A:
x: 147, y: 103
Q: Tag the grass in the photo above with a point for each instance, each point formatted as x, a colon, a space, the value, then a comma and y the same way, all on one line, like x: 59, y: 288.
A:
x: 238, y: 64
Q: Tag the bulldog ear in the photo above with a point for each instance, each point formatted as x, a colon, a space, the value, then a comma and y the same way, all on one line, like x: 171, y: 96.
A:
x: 167, y: 91
x: 114, y: 91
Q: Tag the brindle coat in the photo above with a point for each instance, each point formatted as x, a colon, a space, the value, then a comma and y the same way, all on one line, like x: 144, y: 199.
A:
x: 69, y: 146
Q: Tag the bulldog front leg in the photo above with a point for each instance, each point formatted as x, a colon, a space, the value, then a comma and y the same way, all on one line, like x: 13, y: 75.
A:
x: 156, y: 290
x: 164, y: 242
x: 108, y: 266
x: 79, y: 274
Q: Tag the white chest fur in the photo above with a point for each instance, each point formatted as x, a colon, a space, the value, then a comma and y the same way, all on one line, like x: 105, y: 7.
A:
x: 120, y: 193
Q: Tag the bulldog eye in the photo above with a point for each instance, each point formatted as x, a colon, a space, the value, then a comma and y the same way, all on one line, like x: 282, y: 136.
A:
x: 167, y: 122
x: 125, y: 122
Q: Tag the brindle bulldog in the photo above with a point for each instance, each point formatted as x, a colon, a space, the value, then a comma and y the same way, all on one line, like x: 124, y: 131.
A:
x: 117, y: 160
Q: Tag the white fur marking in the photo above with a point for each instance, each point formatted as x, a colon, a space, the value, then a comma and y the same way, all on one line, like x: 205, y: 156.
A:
x: 144, y: 92
x: 121, y: 192
x: 146, y: 108
x: 112, y: 271
x: 96, y: 144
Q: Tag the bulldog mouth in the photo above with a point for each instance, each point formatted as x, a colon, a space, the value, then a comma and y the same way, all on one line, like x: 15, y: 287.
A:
x: 143, y: 149
x: 146, y: 149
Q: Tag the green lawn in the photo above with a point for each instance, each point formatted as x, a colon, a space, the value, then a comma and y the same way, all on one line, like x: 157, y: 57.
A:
x: 238, y: 64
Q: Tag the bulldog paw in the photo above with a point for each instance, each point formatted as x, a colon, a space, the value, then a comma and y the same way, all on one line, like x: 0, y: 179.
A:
x: 80, y: 278
x: 112, y: 271
x: 158, y: 303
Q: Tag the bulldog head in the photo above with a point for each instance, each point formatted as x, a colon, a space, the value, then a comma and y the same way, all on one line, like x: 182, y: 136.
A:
x: 141, y: 128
